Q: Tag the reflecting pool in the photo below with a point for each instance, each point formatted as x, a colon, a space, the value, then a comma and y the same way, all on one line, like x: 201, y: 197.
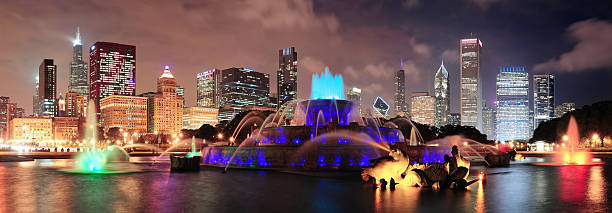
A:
x: 40, y: 186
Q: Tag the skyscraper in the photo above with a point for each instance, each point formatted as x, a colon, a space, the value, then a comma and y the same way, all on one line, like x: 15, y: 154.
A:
x: 78, y: 69
x: 113, y: 71
x: 287, y: 75
x: 488, y: 121
x: 422, y: 108
x: 512, y: 104
x: 243, y: 87
x: 7, y: 111
x: 47, y: 88
x: 239, y: 87
x: 207, y: 83
x: 471, y: 85
x: 400, y: 89
x: 180, y: 91
x: 543, y: 98
x: 165, y: 108
x: 35, y: 104
x: 442, y: 95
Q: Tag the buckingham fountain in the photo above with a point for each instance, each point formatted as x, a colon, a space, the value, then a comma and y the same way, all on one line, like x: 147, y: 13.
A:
x: 324, y: 133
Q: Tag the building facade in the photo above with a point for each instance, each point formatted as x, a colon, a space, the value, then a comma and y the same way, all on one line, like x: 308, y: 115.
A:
x: 8, y: 111
x: 488, y: 121
x: 112, y: 71
x: 471, y: 84
x: 31, y: 129
x: 442, y: 95
x: 400, y: 89
x: 207, y: 85
x: 47, y: 88
x: 65, y: 128
x: 195, y: 117
x: 354, y: 95
x: 454, y: 119
x: 165, y: 107
x: 124, y: 112
x: 287, y: 75
x: 78, y: 68
x: 543, y: 98
x: 422, y: 108
x: 563, y: 108
x: 512, y: 104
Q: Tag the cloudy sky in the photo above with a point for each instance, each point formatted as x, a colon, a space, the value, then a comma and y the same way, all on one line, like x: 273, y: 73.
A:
x: 363, y: 40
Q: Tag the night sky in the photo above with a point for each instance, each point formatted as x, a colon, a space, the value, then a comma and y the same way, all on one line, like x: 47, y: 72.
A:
x: 362, y: 40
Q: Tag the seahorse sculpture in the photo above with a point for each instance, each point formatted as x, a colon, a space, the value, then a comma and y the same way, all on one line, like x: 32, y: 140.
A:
x: 387, y: 168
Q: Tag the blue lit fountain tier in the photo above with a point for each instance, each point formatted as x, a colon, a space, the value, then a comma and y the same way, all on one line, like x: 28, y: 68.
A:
x: 326, y: 133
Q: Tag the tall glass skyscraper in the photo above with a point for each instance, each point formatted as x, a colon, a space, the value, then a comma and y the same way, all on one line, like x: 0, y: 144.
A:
x: 442, y: 95
x: 78, y: 68
x: 47, y: 88
x: 206, y: 83
x: 236, y: 87
x: 543, y: 98
x: 400, y: 89
x: 471, y: 85
x: 287, y: 75
x: 113, y: 71
x: 512, y: 104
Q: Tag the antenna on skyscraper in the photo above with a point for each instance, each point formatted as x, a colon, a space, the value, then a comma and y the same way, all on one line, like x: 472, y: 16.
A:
x: 77, y: 39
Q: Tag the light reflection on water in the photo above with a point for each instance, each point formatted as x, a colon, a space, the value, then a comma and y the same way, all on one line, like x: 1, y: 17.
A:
x: 38, y: 186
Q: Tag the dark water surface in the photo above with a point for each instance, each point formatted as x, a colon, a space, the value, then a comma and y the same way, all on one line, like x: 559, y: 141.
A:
x: 38, y: 186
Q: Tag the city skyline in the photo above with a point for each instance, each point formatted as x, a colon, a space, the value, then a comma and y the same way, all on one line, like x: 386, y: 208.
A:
x: 318, y: 48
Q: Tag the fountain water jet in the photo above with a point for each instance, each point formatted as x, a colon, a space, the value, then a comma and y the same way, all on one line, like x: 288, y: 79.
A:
x: 571, y: 155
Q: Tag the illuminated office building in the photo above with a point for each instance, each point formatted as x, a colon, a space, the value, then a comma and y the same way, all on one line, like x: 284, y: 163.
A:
x: 78, y: 68
x: 124, y: 112
x: 471, y: 84
x: 287, y: 75
x: 112, y: 71
x: 195, y: 117
x: 400, y: 89
x: 422, y: 108
x: 512, y: 104
x: 165, y: 107
x: 47, y: 88
x: 442, y: 95
x: 543, y: 98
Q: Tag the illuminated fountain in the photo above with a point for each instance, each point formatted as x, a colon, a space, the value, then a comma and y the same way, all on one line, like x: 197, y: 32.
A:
x: 96, y: 160
x: 323, y: 133
x: 571, y: 155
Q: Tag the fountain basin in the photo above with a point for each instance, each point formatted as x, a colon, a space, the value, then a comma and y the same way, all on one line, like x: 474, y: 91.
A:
x: 182, y: 163
x: 325, y: 157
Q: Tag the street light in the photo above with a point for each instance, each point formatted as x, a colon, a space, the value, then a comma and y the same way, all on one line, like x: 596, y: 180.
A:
x: 596, y: 138
x: 565, y: 138
x: 220, y: 136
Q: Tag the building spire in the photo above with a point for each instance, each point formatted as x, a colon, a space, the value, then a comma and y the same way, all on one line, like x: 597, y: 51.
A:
x: 167, y: 73
x: 401, y: 63
x: 77, y: 39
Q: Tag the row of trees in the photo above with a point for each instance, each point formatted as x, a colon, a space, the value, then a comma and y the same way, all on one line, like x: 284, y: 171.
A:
x: 595, y: 119
x: 431, y: 132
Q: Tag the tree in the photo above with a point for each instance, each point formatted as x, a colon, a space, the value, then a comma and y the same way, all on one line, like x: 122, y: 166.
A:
x: 468, y: 132
x: 591, y: 119
x: 206, y: 132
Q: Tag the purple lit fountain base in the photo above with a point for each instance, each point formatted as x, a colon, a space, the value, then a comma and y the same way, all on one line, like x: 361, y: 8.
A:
x: 323, y: 158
